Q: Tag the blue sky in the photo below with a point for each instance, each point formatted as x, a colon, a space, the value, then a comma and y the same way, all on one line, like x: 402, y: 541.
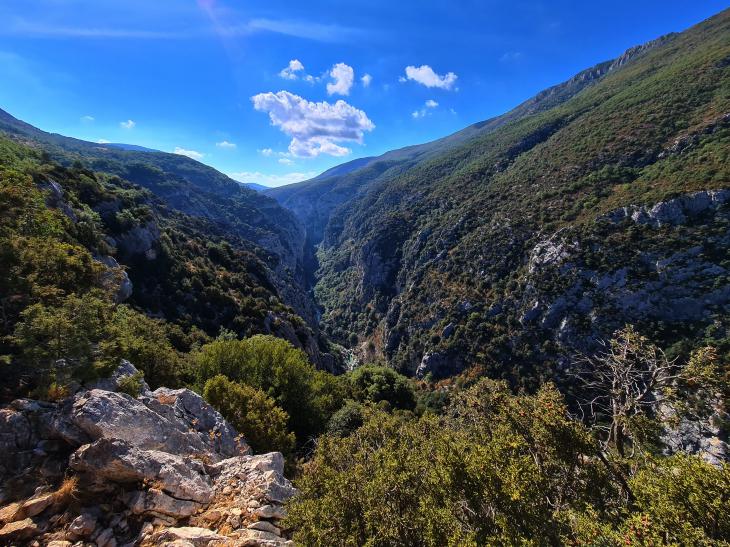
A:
x: 273, y: 92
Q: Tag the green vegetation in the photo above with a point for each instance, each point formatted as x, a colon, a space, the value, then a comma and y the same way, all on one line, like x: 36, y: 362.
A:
x: 132, y: 384
x: 253, y: 413
x: 59, y: 289
x: 308, y: 396
x: 380, y: 384
x: 443, y: 233
x: 500, y: 469
x: 505, y: 254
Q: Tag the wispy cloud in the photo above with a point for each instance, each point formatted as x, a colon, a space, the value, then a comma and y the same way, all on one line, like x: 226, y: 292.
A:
x: 511, y: 57
x: 72, y: 29
x: 87, y: 119
x: 225, y: 144
x: 423, y: 112
x: 22, y: 27
x: 303, y: 29
x: 129, y: 124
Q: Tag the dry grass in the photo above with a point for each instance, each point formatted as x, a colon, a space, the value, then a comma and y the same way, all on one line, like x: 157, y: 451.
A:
x: 67, y: 492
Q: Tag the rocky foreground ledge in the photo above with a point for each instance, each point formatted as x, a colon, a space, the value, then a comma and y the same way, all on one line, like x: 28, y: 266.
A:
x: 103, y: 468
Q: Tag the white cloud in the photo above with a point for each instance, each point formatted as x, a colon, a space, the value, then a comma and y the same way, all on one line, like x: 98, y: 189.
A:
x: 343, y: 76
x: 271, y: 180
x: 87, y: 119
x: 423, y: 112
x: 226, y: 144
x: 425, y: 75
x: 290, y: 72
x: 103, y: 141
x: 285, y: 161
x: 189, y: 153
x: 366, y: 80
x: 315, y: 128
x: 129, y: 124
x: 266, y: 152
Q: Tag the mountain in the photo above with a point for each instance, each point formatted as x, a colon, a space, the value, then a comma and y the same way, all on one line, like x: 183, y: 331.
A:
x: 314, y: 200
x: 131, y: 147
x: 161, y: 211
x: 255, y: 186
x: 523, y: 239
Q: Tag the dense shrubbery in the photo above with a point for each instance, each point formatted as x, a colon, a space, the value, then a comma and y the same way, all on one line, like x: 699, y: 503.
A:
x: 253, y: 413
x: 59, y: 225
x: 307, y: 395
x: 380, y: 384
x: 500, y: 469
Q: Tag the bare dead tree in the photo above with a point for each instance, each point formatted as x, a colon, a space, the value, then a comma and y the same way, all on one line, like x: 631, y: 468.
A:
x: 630, y: 377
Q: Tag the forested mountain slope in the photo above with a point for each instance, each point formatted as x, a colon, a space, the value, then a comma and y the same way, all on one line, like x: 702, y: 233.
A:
x: 192, y: 188
x: 522, y: 240
x: 314, y: 200
x: 75, y: 241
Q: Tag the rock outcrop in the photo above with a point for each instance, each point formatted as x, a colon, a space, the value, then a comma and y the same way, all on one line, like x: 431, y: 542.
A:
x: 106, y: 468
x: 672, y: 212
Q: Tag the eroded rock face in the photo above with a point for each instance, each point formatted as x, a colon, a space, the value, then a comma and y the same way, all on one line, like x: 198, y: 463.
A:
x: 672, y: 212
x: 439, y: 365
x: 119, y: 461
x: 162, y: 469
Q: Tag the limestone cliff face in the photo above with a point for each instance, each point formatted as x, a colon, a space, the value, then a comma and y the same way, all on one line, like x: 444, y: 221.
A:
x: 158, y: 469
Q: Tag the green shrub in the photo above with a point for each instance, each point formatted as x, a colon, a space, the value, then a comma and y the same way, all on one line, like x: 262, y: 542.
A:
x: 254, y: 414
x: 347, y: 419
x: 373, y: 384
x: 284, y: 373
x: 496, y: 470
x: 132, y: 384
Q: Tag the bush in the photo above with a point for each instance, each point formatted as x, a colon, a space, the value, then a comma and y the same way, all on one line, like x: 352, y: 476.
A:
x: 132, y: 384
x: 144, y: 341
x: 284, y: 373
x: 69, y: 331
x: 373, y: 384
x: 496, y: 470
x: 346, y: 420
x: 252, y: 413
x: 685, y: 498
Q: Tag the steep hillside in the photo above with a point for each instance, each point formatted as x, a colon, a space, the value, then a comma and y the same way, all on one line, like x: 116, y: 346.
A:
x: 70, y: 233
x: 190, y: 187
x: 528, y: 237
x: 315, y: 200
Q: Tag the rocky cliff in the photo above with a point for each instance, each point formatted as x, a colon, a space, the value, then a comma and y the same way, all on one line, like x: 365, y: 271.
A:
x: 105, y: 468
